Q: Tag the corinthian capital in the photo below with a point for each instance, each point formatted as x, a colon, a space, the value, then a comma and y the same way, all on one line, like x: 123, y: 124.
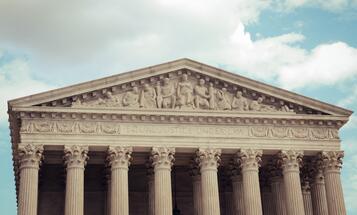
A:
x: 162, y: 157
x: 75, y: 156
x: 119, y: 156
x: 290, y: 160
x: 332, y: 160
x: 30, y: 155
x: 249, y: 159
x: 208, y: 158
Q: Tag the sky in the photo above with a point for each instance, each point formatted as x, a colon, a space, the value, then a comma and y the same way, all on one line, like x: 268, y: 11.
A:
x: 306, y: 46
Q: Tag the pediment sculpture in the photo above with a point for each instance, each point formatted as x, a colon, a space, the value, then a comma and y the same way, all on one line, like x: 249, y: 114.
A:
x: 183, y: 92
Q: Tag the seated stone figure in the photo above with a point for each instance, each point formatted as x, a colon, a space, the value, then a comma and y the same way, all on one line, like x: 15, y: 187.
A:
x: 148, y: 97
x: 131, y: 98
x: 222, y: 100
x: 185, y: 93
x: 201, y: 95
x: 240, y: 103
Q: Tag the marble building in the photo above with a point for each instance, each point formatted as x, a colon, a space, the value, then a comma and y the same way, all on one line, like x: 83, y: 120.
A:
x: 176, y: 136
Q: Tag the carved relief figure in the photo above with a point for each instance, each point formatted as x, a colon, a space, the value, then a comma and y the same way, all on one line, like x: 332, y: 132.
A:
x: 222, y: 100
x: 239, y: 102
x: 158, y: 95
x: 185, y: 92
x: 259, y: 106
x: 148, y: 97
x: 131, y: 98
x: 211, y: 93
x: 201, y: 95
x: 111, y: 100
x: 168, y: 94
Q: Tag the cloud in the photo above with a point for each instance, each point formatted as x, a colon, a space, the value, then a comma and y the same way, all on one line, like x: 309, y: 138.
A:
x: 16, y: 81
x: 329, y: 5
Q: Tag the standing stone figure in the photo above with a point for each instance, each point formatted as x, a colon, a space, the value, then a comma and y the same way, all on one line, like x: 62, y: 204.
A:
x: 131, y: 98
x: 239, y: 102
x: 201, y: 95
x: 211, y: 93
x: 168, y: 94
x: 148, y: 97
x: 185, y: 92
x: 158, y: 95
x: 222, y: 100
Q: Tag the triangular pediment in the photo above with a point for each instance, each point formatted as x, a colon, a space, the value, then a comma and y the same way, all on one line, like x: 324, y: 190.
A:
x: 181, y: 85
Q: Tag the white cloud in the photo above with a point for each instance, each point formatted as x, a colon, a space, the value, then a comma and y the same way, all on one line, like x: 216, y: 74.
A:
x: 16, y: 81
x: 330, y: 5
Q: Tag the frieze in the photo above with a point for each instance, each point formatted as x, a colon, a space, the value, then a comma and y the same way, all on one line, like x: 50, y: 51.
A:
x: 237, y: 131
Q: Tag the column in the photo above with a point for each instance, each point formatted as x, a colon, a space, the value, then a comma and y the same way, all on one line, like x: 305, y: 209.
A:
x: 108, y: 193
x: 162, y: 160
x: 332, y: 162
x: 238, y: 198
x: 29, y: 160
x: 306, y: 197
x: 75, y: 161
x: 318, y: 191
x: 119, y: 161
x: 249, y: 161
x: 197, y: 190
x: 277, y: 189
x: 151, y: 189
x: 208, y: 160
x: 291, y: 161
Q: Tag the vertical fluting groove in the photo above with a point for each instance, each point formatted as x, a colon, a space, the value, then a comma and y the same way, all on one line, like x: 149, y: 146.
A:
x: 163, y: 193
x: 294, y: 201
x: 277, y: 187
x: 238, y: 199
x: 197, y: 196
x: 307, y: 202
x: 74, y: 191
x: 334, y: 193
x: 318, y: 197
x: 251, y: 190
x: 210, y: 194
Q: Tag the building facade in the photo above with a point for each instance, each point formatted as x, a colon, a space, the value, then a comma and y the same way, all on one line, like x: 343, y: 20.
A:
x: 176, y: 136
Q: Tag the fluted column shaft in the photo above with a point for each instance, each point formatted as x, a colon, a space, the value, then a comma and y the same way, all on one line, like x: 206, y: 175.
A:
x: 332, y: 167
x: 108, y: 193
x: 197, y: 195
x: 75, y: 160
x: 277, y: 188
x: 162, y: 161
x: 208, y: 160
x: 318, y: 193
x: 238, y: 197
x: 249, y: 160
x: 306, y: 197
x: 291, y: 162
x: 268, y: 202
x: 29, y: 158
x: 119, y: 160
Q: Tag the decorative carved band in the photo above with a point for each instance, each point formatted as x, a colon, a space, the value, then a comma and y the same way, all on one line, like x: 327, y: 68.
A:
x: 30, y: 155
x: 208, y: 158
x: 162, y: 157
x: 75, y: 156
x: 290, y: 160
x: 113, y: 128
x: 119, y: 157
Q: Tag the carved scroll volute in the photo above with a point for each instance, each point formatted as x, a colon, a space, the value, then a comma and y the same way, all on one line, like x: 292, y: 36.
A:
x: 162, y: 157
x: 208, y: 158
x: 75, y: 156
x: 30, y: 155
x: 290, y: 160
x: 332, y: 160
x: 119, y: 157
x: 249, y: 159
